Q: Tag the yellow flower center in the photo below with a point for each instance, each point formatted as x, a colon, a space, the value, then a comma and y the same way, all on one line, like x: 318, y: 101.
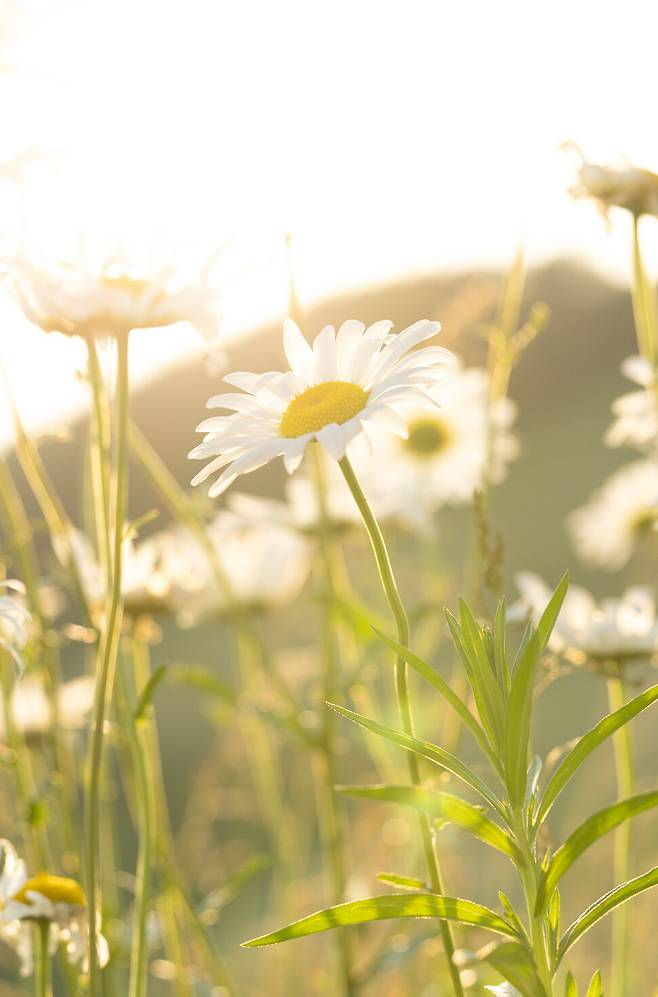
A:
x: 428, y: 436
x: 124, y: 282
x: 320, y: 406
x: 58, y: 889
x: 644, y: 521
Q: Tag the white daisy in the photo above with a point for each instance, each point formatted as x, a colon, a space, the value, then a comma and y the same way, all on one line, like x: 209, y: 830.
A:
x: 264, y: 565
x: 14, y: 620
x: 613, y: 629
x: 95, y: 297
x: 32, y: 708
x: 447, y: 451
x: 636, y: 413
x: 606, y: 531
x: 334, y: 391
x: 623, y: 186
x: 56, y: 899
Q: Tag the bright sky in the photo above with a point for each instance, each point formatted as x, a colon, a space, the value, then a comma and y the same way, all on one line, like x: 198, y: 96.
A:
x: 388, y: 137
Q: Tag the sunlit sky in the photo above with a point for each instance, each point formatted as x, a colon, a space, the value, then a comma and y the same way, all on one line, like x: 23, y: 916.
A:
x: 388, y: 138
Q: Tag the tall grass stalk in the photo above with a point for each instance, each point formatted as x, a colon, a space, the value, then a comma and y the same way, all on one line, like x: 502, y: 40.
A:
x: 402, y: 691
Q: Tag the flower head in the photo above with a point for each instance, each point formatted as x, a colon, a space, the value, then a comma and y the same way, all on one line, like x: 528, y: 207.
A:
x: 32, y: 707
x: 624, y: 186
x: 334, y: 391
x: 635, y: 413
x: 613, y: 629
x: 446, y: 453
x: 109, y: 297
x: 606, y: 531
x: 14, y: 620
x: 58, y: 900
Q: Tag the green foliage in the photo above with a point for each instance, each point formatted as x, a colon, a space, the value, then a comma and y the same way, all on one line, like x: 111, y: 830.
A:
x: 514, y: 961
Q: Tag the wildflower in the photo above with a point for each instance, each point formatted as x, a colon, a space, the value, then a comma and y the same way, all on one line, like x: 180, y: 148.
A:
x: 624, y: 186
x: 606, y: 531
x: 447, y: 452
x: 14, y: 620
x: 636, y: 413
x: 613, y: 629
x: 264, y: 566
x: 108, y: 298
x: 334, y: 391
x: 32, y: 708
x: 57, y: 900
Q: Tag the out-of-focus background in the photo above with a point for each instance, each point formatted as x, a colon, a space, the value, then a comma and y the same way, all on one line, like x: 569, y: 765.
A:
x: 407, y: 151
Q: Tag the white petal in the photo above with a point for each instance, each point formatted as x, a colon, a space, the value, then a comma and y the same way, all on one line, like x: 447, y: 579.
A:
x: 324, y: 349
x: 298, y: 352
x: 334, y: 440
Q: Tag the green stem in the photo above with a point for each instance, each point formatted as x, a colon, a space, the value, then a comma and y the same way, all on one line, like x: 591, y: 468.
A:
x: 138, y: 749
x: 42, y: 974
x: 529, y: 874
x: 331, y: 825
x: 108, y: 651
x: 397, y: 608
x: 645, y: 310
x: 623, y: 750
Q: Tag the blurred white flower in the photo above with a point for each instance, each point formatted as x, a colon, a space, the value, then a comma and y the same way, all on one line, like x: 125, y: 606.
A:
x: 14, y: 620
x: 447, y: 451
x: 635, y: 413
x: 334, y: 391
x: 32, y: 709
x: 104, y: 298
x: 624, y: 186
x: 611, y: 629
x: 56, y: 899
x: 264, y: 565
x: 606, y: 531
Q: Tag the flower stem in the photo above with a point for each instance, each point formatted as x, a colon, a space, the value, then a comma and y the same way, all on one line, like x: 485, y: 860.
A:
x: 397, y: 608
x: 331, y: 825
x: 108, y: 651
x: 42, y: 975
x: 623, y: 749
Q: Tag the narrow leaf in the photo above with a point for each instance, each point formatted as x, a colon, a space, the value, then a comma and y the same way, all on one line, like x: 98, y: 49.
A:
x: 590, y: 831
x: 599, y: 733
x: 444, y: 806
x: 406, y: 882
x: 603, y: 906
x: 570, y: 987
x: 385, y: 908
x: 429, y: 751
x: 514, y: 961
x: 149, y: 691
x: 595, y: 988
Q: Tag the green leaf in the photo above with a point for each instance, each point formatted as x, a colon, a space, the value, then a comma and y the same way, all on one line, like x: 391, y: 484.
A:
x: 148, y: 692
x: 589, y: 831
x: 202, y: 679
x: 429, y: 751
x: 444, y: 806
x: 406, y: 882
x: 515, y: 963
x: 500, y: 651
x: 487, y: 693
x: 603, y: 906
x: 220, y: 898
x: 519, y: 705
x: 595, y: 988
x: 437, y: 682
x: 385, y: 908
x: 570, y: 987
x: 603, y: 729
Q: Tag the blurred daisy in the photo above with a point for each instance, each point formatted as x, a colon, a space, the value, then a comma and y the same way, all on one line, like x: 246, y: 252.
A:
x: 32, y: 708
x: 624, y: 186
x: 447, y: 451
x: 265, y: 567
x: 334, y: 391
x: 56, y: 899
x: 635, y: 413
x: 109, y: 297
x: 613, y: 629
x: 14, y: 620
x: 606, y: 531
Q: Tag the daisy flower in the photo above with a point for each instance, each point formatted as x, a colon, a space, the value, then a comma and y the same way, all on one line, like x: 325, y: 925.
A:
x: 32, y: 707
x: 446, y: 452
x: 613, y: 629
x: 108, y: 297
x: 606, y: 531
x: 635, y: 413
x: 14, y: 620
x: 623, y: 186
x: 55, y: 899
x: 338, y: 388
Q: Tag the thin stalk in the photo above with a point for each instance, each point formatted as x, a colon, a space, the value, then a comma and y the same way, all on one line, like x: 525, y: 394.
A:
x: 331, y: 827
x: 397, y: 609
x: 623, y: 751
x: 645, y: 309
x: 529, y: 874
x: 42, y: 974
x: 108, y: 652
x: 138, y: 748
